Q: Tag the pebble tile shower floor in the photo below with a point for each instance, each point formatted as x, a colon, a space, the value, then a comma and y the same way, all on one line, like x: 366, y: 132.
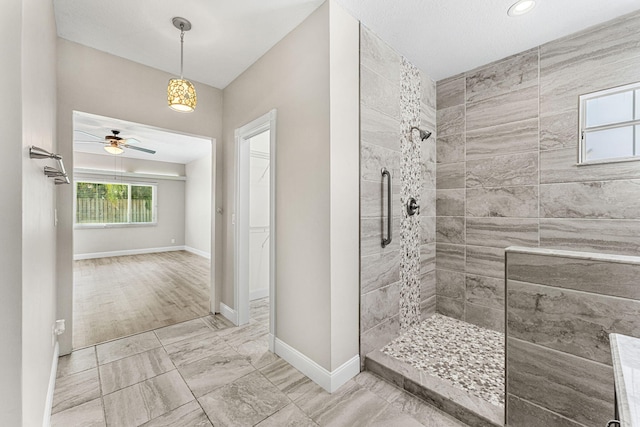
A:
x: 470, y: 357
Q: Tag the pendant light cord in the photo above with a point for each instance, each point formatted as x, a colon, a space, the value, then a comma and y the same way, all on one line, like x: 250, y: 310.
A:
x: 181, y: 49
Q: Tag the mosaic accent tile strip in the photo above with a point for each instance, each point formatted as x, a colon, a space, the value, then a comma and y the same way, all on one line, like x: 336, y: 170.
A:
x: 410, y: 90
x: 468, y: 356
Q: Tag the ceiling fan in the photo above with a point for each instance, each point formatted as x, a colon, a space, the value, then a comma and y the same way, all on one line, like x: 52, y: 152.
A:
x: 115, y: 144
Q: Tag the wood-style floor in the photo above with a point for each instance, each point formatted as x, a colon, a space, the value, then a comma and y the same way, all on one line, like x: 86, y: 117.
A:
x: 121, y: 296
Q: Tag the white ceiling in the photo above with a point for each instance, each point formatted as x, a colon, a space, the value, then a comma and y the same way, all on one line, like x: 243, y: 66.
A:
x: 226, y: 38
x: 447, y: 37
x: 169, y: 146
x: 442, y: 37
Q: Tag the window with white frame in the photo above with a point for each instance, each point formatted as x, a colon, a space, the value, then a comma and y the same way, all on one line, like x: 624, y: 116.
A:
x: 610, y: 125
x: 115, y: 203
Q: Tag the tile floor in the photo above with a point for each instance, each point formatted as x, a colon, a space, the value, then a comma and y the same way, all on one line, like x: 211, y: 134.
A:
x: 207, y: 372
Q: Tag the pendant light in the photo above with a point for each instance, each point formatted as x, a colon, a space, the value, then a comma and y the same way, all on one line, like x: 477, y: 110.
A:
x: 181, y: 95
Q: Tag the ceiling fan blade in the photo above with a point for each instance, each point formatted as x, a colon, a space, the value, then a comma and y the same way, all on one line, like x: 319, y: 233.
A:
x: 146, y: 150
x: 99, y: 138
x: 89, y: 142
x: 131, y: 141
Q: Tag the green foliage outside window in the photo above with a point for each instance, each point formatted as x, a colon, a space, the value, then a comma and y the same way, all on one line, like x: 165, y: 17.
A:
x: 107, y: 203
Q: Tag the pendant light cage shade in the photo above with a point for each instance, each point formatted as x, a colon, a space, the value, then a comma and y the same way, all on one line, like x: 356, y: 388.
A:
x: 181, y: 95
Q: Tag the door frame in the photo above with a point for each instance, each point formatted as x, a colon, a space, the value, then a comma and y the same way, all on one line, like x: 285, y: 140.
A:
x: 241, y: 230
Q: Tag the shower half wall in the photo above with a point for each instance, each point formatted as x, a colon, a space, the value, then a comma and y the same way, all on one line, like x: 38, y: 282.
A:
x: 398, y: 281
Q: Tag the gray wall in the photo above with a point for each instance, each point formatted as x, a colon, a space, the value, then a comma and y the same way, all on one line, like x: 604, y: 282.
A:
x: 97, y: 82
x: 507, y: 174
x: 383, y: 126
x: 170, y: 213
x: 198, y: 203
x: 561, y: 308
x: 27, y: 291
x: 316, y: 181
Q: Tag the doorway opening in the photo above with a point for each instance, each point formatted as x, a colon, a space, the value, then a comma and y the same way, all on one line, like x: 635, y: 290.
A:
x: 142, y: 228
x: 255, y: 223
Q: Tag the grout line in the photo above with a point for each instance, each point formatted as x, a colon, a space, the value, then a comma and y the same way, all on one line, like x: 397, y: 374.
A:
x: 104, y: 409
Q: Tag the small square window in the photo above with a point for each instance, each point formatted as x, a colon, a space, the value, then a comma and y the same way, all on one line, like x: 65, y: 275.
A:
x: 610, y: 124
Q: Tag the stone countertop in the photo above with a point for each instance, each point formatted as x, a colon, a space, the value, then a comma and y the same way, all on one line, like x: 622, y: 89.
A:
x: 625, y: 352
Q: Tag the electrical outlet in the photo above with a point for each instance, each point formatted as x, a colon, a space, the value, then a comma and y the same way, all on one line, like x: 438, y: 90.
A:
x: 173, y: 241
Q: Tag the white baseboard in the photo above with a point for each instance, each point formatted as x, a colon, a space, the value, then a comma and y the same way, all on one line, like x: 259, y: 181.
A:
x: 330, y: 381
x: 272, y: 343
x: 229, y: 313
x: 46, y: 422
x: 203, y: 254
x: 259, y: 293
x: 128, y: 252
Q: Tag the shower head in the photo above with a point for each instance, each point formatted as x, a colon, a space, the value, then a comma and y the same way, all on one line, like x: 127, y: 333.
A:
x: 423, y: 133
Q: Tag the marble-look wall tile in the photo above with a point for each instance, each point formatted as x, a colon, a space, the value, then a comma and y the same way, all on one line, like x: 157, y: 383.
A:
x: 378, y: 56
x: 428, y: 285
x: 450, y: 307
x: 371, y: 232
x: 379, y: 336
x: 573, y: 322
x: 484, y: 317
x: 587, y: 275
x: 571, y: 386
x: 450, y: 284
x: 598, y: 58
x: 592, y: 235
x: 378, y: 128
x: 373, y: 158
x: 516, y: 202
x: 379, y: 305
x: 373, y: 199
x: 427, y: 229
x: 502, y: 171
x: 485, y: 261
x: 450, y: 91
x: 450, y: 229
x: 512, y: 137
x: 450, y: 120
x: 502, y: 232
x: 560, y: 166
x: 485, y: 291
x: 515, y: 106
x: 559, y: 130
x: 428, y: 307
x: 378, y: 93
x: 450, y: 257
x: 428, y: 118
x: 521, y: 413
x: 427, y: 258
x: 450, y: 148
x: 596, y: 199
x: 506, y: 75
x: 450, y: 202
x: 427, y: 200
x: 379, y: 270
x: 428, y: 95
x: 450, y: 175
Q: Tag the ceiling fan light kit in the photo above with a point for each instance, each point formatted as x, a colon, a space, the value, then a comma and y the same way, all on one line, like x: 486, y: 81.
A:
x: 113, y: 148
x: 181, y: 95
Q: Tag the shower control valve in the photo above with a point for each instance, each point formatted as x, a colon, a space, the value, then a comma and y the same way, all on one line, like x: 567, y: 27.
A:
x: 412, y: 206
